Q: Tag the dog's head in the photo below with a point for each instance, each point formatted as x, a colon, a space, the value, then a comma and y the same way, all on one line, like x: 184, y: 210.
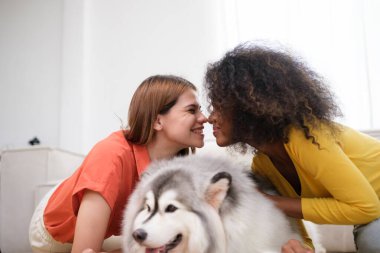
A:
x: 174, y: 216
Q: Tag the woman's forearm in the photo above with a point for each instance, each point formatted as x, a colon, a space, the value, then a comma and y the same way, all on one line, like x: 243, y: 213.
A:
x: 290, y: 206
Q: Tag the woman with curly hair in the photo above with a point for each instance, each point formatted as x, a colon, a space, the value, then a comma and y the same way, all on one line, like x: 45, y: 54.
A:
x: 325, y: 172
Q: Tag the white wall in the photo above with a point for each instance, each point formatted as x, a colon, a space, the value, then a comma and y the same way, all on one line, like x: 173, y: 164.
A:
x: 71, y: 111
x: 128, y: 41
x: 339, y: 39
x: 30, y: 71
x: 69, y: 67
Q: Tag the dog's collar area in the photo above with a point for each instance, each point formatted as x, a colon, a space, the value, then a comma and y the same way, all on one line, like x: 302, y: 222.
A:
x: 164, y: 249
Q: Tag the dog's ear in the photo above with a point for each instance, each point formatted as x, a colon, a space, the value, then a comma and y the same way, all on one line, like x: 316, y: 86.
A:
x: 217, y: 190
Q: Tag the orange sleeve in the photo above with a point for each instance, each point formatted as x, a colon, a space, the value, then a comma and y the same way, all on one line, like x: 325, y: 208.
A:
x: 102, y: 172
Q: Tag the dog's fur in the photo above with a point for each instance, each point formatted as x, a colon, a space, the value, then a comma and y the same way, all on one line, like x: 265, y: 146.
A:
x: 202, y: 205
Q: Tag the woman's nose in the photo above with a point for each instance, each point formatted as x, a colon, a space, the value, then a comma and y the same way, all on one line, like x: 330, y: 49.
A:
x: 211, y: 118
x: 202, y: 118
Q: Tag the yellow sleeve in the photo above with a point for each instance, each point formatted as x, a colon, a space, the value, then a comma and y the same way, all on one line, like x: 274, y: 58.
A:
x: 352, y: 200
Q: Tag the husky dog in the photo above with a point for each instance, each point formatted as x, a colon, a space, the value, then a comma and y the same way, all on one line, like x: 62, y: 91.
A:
x: 199, y: 204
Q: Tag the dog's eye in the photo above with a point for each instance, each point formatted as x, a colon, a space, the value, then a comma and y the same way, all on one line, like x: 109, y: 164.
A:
x: 147, y: 208
x: 170, y: 208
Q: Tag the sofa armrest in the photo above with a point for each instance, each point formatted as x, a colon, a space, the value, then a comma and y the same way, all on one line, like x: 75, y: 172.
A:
x: 23, y: 172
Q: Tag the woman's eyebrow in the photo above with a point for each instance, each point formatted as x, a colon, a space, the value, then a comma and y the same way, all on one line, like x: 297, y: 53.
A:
x: 193, y: 105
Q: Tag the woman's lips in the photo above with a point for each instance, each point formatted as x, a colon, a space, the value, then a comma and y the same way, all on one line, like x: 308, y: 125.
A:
x: 215, y: 130
x: 198, y: 130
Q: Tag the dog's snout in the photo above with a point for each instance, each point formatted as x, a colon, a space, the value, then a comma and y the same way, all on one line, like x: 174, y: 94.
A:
x: 139, y: 235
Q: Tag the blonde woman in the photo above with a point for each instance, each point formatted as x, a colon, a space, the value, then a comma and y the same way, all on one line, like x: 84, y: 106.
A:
x: 164, y: 121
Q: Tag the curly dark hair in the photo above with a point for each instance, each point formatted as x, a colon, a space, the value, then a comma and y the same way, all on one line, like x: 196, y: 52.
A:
x: 264, y: 91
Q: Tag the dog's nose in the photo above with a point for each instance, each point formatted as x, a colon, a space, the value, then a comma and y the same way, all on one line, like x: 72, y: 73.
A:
x: 139, y: 235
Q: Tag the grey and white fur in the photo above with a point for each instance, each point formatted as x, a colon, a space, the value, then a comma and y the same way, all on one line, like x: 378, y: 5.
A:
x: 199, y: 204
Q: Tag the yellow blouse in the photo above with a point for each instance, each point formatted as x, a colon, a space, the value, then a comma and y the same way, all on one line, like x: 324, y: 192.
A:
x: 340, y: 181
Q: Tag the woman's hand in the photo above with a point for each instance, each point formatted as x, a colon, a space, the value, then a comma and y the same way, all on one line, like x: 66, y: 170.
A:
x: 290, y: 206
x: 293, y: 246
x: 92, y: 251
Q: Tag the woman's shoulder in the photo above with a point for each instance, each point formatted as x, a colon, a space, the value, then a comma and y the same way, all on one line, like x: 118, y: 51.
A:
x: 114, y: 140
x: 316, y: 133
x: 114, y: 145
x: 259, y: 161
x: 323, y: 137
x: 350, y: 136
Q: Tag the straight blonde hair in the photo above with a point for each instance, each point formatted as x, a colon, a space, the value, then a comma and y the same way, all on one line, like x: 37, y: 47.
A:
x: 155, y: 95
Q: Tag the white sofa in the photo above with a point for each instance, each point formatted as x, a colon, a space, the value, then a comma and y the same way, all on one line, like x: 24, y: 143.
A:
x: 27, y: 174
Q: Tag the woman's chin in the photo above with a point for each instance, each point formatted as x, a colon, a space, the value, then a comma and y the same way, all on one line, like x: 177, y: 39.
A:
x: 222, y: 142
x: 199, y: 145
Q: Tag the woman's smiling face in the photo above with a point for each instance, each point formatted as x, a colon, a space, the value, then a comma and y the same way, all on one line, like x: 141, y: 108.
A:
x: 183, y: 124
x: 222, y: 128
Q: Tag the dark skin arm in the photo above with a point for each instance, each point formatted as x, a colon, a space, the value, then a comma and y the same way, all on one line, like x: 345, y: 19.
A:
x: 295, y: 246
x: 290, y: 206
x: 281, y: 160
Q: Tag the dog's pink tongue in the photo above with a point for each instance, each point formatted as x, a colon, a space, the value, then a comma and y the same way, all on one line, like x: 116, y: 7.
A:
x: 156, y: 250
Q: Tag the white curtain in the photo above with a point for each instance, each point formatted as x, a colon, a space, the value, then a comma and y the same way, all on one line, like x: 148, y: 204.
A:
x: 339, y: 39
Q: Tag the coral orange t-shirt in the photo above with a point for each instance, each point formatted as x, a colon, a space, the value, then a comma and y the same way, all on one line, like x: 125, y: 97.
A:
x: 112, y: 168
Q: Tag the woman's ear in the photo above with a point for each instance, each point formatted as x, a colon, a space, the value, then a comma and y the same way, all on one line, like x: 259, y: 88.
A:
x: 158, y: 123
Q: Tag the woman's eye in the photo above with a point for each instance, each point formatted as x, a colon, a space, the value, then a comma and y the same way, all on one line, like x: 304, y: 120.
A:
x: 192, y: 111
x: 170, y: 208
